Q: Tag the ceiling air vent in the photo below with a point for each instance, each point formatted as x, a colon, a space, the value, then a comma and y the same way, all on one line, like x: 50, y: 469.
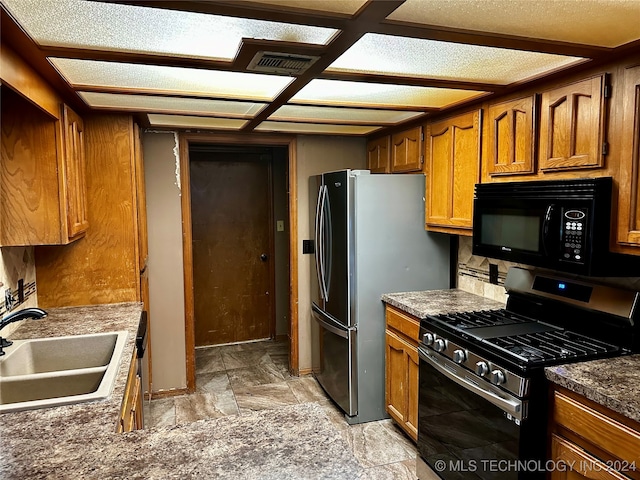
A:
x: 281, y: 63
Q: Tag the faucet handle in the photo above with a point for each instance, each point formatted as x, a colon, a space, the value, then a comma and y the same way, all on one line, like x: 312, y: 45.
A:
x: 4, y: 343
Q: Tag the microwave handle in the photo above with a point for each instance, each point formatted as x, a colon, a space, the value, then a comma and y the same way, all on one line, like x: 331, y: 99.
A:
x: 545, y: 227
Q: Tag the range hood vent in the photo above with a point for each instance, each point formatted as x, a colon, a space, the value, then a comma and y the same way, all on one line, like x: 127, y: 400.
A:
x: 285, y: 63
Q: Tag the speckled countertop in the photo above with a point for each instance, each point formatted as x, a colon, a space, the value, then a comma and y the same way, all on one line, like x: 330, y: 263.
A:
x: 612, y: 382
x: 434, y: 302
x: 80, y: 441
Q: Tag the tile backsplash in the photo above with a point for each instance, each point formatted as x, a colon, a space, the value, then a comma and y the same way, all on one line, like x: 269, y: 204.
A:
x: 473, y: 274
x: 17, y: 263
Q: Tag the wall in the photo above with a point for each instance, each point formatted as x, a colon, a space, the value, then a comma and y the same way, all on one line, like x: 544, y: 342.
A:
x: 17, y: 263
x: 316, y: 155
x: 281, y: 261
x: 473, y: 274
x: 166, y: 282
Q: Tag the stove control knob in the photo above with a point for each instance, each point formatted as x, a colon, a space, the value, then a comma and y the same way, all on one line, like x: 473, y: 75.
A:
x: 427, y: 338
x: 459, y: 356
x: 497, y: 377
x: 482, y: 368
x: 439, y: 345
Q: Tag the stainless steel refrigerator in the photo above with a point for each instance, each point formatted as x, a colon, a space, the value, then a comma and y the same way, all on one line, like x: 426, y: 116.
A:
x: 369, y: 240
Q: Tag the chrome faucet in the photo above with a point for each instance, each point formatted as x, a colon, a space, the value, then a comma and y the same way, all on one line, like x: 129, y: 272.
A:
x: 33, y: 313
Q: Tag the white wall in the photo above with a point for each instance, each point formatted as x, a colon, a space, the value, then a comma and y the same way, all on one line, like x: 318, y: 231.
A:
x: 317, y: 155
x: 166, y: 281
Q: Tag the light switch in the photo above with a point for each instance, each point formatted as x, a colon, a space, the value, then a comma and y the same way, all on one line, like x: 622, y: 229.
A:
x: 280, y: 225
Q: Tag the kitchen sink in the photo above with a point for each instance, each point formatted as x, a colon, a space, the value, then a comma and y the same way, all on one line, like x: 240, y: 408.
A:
x: 49, y: 372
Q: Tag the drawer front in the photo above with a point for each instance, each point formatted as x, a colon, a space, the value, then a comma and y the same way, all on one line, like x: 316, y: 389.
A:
x: 608, y: 434
x: 403, y: 323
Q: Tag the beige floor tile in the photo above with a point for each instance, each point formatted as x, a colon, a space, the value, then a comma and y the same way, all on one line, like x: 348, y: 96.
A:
x: 162, y: 413
x: 405, y: 470
x: 241, y: 359
x: 306, y: 389
x: 260, y: 374
x: 264, y: 397
x: 190, y: 408
x: 217, y: 382
x: 375, y: 444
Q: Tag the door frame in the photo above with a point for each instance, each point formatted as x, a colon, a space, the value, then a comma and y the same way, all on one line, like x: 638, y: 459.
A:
x: 184, y: 140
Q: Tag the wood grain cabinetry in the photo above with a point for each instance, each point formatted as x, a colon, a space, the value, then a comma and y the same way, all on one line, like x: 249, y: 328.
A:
x: 131, y: 414
x: 602, y: 443
x: 406, y: 151
x: 629, y: 176
x: 401, y: 356
x: 511, y: 135
x: 452, y: 149
x: 379, y: 154
x: 42, y: 175
x: 572, y: 121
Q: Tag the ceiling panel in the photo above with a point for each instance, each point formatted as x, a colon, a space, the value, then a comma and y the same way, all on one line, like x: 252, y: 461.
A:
x: 114, y: 27
x: 347, y: 7
x: 155, y: 103
x: 414, y: 57
x: 187, y: 81
x: 186, y: 121
x: 332, y: 114
x: 292, y: 127
x: 338, y: 92
x: 606, y: 23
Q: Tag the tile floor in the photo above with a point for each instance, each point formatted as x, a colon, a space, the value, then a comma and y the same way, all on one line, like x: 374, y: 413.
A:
x: 236, y: 379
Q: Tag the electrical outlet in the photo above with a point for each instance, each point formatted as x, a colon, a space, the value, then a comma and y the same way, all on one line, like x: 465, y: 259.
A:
x: 9, y: 300
x: 21, y: 291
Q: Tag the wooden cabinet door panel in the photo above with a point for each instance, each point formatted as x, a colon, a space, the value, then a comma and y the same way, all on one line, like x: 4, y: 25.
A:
x: 411, y: 417
x: 75, y: 171
x: 572, y: 126
x: 583, y: 465
x: 439, y: 188
x: 395, y: 379
x: 629, y: 183
x: 510, y: 142
x: 378, y: 154
x: 465, y: 158
x: 406, y: 151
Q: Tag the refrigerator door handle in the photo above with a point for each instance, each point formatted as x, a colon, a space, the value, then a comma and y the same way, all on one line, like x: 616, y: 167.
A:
x: 318, y: 254
x: 323, y: 280
x: 327, y: 259
x: 327, y: 323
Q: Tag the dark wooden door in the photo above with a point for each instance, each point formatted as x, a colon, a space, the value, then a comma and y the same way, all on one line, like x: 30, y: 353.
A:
x: 231, y: 219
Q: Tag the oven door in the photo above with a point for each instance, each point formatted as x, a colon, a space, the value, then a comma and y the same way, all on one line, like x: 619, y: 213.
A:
x: 468, y: 428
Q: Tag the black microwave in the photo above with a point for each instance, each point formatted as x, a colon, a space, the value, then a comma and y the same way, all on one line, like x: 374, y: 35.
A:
x: 562, y: 225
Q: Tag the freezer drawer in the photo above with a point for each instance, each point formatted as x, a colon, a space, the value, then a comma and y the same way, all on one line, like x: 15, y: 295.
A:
x: 337, y: 372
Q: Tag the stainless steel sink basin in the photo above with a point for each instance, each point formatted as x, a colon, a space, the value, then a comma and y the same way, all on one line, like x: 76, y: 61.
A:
x: 56, y: 371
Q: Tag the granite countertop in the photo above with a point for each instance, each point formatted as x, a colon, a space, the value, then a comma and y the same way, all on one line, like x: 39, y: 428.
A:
x: 434, y: 302
x: 611, y: 382
x: 80, y: 441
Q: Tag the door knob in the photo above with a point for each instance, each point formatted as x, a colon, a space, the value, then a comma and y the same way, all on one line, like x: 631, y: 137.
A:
x: 264, y: 257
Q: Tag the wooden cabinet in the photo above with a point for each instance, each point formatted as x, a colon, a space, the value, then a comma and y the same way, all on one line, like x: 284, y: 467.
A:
x: 42, y: 176
x: 131, y: 414
x: 401, y: 378
x: 453, y: 168
x: 379, y: 154
x: 75, y: 170
x: 406, y: 151
x: 603, y: 443
x: 572, y: 121
x: 629, y: 175
x: 510, y: 141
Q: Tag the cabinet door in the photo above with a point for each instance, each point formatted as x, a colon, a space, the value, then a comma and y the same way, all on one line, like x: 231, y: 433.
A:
x: 510, y: 141
x: 401, y: 390
x: 75, y: 168
x: 378, y: 154
x: 453, y: 169
x: 582, y: 465
x: 629, y: 197
x: 572, y: 126
x: 406, y: 148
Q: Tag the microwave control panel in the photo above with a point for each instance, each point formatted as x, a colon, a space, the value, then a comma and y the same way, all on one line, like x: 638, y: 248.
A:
x: 574, y: 234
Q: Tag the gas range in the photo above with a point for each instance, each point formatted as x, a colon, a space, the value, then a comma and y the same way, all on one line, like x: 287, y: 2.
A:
x: 482, y: 390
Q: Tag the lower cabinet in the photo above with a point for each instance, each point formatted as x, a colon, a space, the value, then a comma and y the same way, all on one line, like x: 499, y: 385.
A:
x: 131, y: 410
x: 591, y: 441
x: 401, y: 356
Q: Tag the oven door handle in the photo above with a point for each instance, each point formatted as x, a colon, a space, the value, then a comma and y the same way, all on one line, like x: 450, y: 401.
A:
x: 452, y: 372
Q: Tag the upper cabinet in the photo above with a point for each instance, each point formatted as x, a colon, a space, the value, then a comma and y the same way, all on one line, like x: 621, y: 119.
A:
x: 510, y: 141
x: 572, y: 119
x: 379, y: 154
x: 629, y: 176
x: 42, y: 173
x: 452, y: 149
x: 406, y: 151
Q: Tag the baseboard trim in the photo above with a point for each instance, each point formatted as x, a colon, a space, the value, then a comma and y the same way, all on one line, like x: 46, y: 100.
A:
x: 305, y: 371
x: 169, y: 393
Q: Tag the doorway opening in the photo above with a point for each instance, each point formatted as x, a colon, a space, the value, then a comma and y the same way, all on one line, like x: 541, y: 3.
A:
x: 239, y: 230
